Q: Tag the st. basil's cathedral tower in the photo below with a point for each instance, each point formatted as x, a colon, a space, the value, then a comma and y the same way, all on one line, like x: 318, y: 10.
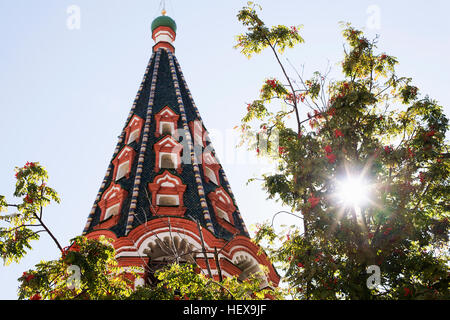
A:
x: 165, y: 196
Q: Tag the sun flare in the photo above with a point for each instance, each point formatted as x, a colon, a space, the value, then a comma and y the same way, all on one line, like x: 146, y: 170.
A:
x: 353, y: 191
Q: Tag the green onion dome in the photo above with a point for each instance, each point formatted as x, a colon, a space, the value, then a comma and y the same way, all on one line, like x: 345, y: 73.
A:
x: 164, y: 21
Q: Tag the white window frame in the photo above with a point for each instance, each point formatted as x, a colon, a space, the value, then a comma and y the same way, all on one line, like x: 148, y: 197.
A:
x: 112, y: 211
x: 223, y: 214
x: 211, y: 175
x: 133, y: 136
x: 162, y: 123
x: 120, y: 170
x: 173, y: 157
x: 159, y: 196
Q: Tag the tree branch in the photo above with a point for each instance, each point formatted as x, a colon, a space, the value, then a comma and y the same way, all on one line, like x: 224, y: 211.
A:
x: 290, y: 84
x: 49, y: 232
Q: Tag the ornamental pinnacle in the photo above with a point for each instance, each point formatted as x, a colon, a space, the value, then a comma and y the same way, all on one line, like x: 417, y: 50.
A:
x: 165, y: 196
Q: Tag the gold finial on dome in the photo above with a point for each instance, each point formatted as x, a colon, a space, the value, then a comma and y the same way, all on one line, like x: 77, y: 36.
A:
x: 163, y: 12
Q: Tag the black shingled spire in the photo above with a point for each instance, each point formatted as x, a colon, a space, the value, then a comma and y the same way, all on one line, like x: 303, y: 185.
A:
x: 163, y: 85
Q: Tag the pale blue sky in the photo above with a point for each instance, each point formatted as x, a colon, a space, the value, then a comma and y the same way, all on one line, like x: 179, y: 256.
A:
x: 65, y: 94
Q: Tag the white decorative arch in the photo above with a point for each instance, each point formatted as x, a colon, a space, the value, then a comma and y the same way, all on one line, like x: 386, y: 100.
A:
x: 168, y: 150
x: 133, y: 129
x: 208, y: 158
x: 123, y: 162
x: 112, y: 192
x: 223, y: 196
x: 166, y: 122
x: 166, y: 245
x: 167, y: 177
x: 167, y: 192
x: 249, y: 265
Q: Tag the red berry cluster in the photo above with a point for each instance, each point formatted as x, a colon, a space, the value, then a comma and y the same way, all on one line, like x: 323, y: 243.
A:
x: 313, y: 201
x: 272, y: 83
x: 330, y: 156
